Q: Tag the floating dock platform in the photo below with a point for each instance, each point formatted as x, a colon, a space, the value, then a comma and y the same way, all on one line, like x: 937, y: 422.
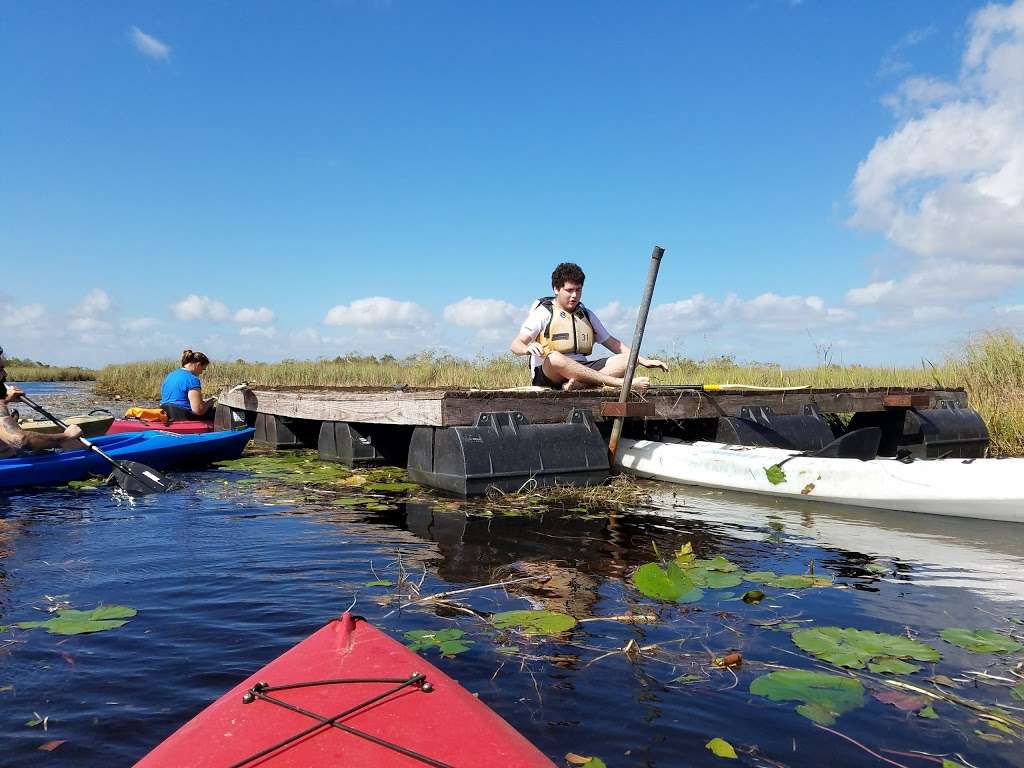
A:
x: 466, y: 440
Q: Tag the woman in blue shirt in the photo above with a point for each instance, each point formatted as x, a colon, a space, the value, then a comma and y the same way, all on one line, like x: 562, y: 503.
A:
x: 181, y: 396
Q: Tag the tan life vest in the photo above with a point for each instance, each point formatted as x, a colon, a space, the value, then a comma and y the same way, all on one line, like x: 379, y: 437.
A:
x: 566, y: 332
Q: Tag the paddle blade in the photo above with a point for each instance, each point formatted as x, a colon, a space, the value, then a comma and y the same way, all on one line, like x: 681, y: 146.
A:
x: 136, y: 478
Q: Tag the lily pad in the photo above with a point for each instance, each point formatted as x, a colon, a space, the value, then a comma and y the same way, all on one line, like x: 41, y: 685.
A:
x: 824, y: 697
x: 854, y: 648
x: 713, y: 579
x: 775, y: 474
x: 787, y: 580
x: 887, y: 664
x: 717, y: 563
x: 380, y: 583
x: 534, y: 622
x: 73, y: 622
x: 721, y: 748
x: 753, y: 596
x: 669, y: 583
x: 448, y: 641
x: 980, y: 640
x: 352, y: 501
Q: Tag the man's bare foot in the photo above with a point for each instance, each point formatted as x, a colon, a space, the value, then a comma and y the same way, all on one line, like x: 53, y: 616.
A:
x: 640, y: 384
x: 571, y: 385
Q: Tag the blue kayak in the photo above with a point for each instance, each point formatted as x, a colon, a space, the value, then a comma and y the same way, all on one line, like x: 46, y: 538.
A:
x: 159, y: 450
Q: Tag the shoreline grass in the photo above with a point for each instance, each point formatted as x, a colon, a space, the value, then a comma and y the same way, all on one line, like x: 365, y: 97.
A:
x: 990, y: 369
x: 16, y: 372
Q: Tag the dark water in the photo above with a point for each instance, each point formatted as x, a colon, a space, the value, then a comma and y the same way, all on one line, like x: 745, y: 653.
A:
x: 226, y: 576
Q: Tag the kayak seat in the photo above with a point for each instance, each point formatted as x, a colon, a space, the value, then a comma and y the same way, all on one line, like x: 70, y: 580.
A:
x: 859, y: 444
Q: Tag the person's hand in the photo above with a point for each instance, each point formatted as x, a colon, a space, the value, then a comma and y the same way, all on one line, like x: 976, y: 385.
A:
x: 536, y: 348
x: 13, y: 394
x: 648, y: 362
x: 72, y: 431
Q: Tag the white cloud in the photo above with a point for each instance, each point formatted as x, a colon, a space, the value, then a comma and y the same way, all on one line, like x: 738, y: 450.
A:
x: 869, y: 294
x: 256, y: 330
x: 148, y: 45
x: 261, y: 316
x: 949, y: 181
x: 379, y: 312
x: 484, y: 313
x: 88, y: 315
x: 26, y: 316
x: 139, y: 323
x: 195, y: 307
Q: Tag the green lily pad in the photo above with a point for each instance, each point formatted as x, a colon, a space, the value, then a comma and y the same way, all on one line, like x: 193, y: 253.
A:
x: 854, y: 648
x: 717, y: 563
x: 669, y: 583
x: 980, y: 640
x: 753, y: 596
x: 380, y: 583
x: 713, y: 579
x: 775, y: 474
x: 889, y: 665
x: 74, y: 622
x: 449, y: 641
x: 787, y: 580
x: 928, y: 713
x: 825, y: 697
x: 534, y: 622
x: 721, y: 748
x: 876, y: 568
x: 594, y: 762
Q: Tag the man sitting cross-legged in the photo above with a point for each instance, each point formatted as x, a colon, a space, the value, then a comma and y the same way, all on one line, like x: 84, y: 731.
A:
x: 559, y: 335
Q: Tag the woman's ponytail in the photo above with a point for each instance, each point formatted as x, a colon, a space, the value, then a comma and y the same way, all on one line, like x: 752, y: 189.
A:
x: 188, y: 356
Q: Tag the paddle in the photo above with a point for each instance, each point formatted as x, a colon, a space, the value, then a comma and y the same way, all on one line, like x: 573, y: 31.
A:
x: 730, y: 387
x: 132, y: 476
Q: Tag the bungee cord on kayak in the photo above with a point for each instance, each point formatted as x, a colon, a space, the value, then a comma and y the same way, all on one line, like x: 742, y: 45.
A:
x: 259, y: 693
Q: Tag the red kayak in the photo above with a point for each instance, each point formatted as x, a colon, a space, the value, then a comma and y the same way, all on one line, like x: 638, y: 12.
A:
x: 144, y: 425
x: 346, y: 695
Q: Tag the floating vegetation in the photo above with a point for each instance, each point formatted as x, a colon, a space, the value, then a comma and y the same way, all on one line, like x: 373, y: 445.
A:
x: 980, y: 640
x: 721, y: 748
x: 69, y: 621
x: 775, y: 474
x: 450, y: 642
x: 824, y: 697
x: 534, y: 622
x: 622, y: 491
x: 788, y: 580
x: 855, y: 648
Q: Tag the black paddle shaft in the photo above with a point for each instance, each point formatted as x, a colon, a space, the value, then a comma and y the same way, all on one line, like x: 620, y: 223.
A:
x: 131, y: 475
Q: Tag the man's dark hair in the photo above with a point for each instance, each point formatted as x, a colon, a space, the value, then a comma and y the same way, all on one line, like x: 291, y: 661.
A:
x: 567, y: 272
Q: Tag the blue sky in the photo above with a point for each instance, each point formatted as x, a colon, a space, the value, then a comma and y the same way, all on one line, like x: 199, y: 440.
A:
x: 271, y: 180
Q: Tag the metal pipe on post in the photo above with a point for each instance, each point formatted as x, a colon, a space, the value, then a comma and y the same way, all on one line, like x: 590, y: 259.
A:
x: 634, y: 350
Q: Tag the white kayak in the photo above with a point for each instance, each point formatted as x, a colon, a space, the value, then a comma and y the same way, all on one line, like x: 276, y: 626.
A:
x: 986, y: 489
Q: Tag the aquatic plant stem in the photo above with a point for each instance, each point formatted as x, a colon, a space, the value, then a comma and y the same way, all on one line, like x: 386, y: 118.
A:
x: 858, y: 744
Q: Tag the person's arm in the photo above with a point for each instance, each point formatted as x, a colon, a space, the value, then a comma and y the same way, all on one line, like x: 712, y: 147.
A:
x: 197, y: 404
x: 19, y: 439
x: 525, y: 342
x: 618, y: 348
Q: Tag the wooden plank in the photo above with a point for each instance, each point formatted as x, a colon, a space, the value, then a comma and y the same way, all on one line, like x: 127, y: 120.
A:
x: 627, y: 410
x: 389, y: 408
x: 906, y: 401
x: 445, y: 408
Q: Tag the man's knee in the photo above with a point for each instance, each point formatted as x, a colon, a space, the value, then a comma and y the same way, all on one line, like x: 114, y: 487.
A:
x: 555, y: 365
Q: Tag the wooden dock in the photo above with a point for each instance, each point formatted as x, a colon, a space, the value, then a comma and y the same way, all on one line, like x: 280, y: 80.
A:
x: 461, y: 407
x: 466, y: 441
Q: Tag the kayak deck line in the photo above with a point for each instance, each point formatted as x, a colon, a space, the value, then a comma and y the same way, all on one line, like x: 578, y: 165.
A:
x: 261, y: 690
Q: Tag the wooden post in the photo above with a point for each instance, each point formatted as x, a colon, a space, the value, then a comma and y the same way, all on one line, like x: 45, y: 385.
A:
x: 634, y: 350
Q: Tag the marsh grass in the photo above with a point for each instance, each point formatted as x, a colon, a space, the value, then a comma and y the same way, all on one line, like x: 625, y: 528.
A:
x: 37, y: 372
x: 991, y: 369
